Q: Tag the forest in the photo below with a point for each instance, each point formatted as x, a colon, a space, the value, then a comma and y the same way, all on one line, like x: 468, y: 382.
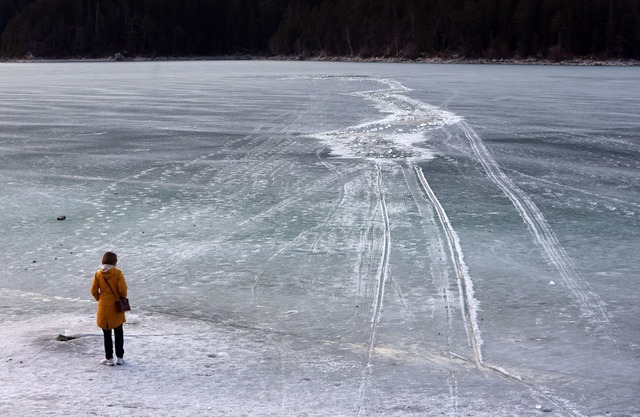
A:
x: 406, y: 29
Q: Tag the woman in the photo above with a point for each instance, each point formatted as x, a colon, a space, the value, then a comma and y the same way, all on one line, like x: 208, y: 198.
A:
x: 109, y: 285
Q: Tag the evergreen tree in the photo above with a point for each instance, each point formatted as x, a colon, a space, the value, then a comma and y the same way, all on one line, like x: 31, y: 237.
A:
x: 555, y: 29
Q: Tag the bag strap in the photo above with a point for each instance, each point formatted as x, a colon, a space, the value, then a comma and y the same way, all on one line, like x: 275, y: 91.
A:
x: 105, y: 280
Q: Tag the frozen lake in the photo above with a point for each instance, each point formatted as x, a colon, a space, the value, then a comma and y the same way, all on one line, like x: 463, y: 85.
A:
x: 308, y: 238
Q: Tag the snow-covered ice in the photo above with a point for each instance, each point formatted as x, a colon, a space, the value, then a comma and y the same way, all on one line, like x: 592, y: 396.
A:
x: 308, y: 238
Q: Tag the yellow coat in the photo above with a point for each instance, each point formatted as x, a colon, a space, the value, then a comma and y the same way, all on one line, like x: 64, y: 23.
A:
x: 107, y: 316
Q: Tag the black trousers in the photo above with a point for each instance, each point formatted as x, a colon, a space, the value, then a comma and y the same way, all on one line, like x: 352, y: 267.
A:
x: 108, y: 342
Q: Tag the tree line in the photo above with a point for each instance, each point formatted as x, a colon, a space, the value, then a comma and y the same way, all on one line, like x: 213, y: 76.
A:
x: 550, y: 29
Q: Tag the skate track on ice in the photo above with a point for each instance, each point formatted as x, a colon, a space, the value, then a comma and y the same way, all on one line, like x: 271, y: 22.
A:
x: 590, y: 304
x: 420, y: 117
x: 394, y: 162
x: 381, y: 281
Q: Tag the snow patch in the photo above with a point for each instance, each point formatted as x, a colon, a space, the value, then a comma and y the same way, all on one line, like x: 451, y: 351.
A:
x: 399, y: 134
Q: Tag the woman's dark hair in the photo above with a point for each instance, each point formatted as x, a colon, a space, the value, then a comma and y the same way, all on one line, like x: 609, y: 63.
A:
x: 109, y: 258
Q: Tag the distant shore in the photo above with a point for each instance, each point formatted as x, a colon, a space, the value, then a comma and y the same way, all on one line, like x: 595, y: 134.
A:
x: 427, y: 60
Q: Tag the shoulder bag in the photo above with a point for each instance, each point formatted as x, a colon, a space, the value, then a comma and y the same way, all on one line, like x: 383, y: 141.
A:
x: 122, y: 304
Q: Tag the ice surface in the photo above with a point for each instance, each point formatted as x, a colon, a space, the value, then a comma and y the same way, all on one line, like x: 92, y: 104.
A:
x: 322, y: 239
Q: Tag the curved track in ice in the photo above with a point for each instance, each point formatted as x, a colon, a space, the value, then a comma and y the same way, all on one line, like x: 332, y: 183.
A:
x: 590, y: 304
x: 469, y: 304
x: 381, y: 282
x: 396, y: 138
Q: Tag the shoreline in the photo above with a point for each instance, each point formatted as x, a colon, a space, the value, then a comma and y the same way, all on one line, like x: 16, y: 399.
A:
x: 587, y: 62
